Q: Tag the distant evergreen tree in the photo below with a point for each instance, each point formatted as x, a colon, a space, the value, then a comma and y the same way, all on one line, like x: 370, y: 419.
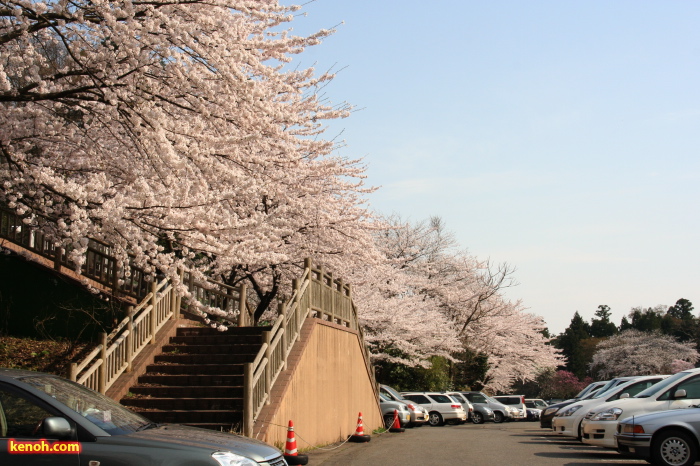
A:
x: 570, y: 344
x: 646, y: 320
x: 602, y: 327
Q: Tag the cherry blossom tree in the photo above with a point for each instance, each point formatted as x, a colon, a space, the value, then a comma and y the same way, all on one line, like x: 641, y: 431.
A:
x: 634, y: 352
x: 172, y: 131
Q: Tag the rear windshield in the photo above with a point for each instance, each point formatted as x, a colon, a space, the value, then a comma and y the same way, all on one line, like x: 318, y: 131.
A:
x: 509, y: 400
x: 442, y: 398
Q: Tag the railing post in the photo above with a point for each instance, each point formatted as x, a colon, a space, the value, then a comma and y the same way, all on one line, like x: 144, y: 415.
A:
x: 248, y: 400
x: 102, y: 371
x: 268, y: 368
x: 242, y: 307
x: 130, y: 340
x: 154, y: 303
x: 57, y: 258
x: 73, y: 374
x: 282, y: 310
x: 297, y: 308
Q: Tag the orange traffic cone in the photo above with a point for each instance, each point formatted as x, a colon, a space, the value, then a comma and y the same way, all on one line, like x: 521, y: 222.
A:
x: 359, y: 435
x: 397, y: 424
x: 290, y: 448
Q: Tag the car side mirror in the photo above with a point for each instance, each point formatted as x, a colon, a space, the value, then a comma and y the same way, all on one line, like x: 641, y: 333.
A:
x: 680, y: 394
x: 624, y: 395
x: 57, y: 427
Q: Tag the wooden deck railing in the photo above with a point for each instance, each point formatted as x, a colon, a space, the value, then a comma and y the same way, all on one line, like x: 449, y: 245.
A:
x: 317, y: 294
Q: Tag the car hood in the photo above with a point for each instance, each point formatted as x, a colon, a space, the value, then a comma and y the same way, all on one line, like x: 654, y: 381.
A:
x: 665, y: 417
x: 212, y: 440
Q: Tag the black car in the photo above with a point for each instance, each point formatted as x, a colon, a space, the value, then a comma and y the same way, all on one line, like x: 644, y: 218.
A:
x: 46, y: 419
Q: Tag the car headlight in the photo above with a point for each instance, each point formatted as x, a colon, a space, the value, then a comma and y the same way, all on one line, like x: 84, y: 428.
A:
x: 570, y: 411
x: 227, y: 458
x: 549, y: 411
x: 611, y: 414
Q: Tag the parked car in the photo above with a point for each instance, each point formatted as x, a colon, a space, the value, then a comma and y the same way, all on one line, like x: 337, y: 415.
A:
x: 549, y: 413
x: 568, y: 421
x: 478, y: 413
x: 36, y: 406
x: 514, y: 401
x: 441, y: 408
x: 419, y: 415
x: 535, y: 406
x: 389, y: 407
x: 668, y: 438
x: 680, y: 390
x: 501, y: 412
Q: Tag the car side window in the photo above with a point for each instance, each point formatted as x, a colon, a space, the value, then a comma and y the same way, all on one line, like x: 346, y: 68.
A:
x: 420, y: 399
x: 691, y: 387
x: 19, y: 417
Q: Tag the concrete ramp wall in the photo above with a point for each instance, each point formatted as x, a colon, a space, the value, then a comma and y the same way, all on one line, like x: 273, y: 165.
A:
x: 324, y: 388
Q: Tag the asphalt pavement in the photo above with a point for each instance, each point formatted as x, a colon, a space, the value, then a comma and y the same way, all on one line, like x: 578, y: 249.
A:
x: 512, y: 443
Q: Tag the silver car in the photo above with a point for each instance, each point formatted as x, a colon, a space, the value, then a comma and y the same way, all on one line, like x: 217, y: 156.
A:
x: 419, y: 415
x: 391, y: 408
x: 662, y: 438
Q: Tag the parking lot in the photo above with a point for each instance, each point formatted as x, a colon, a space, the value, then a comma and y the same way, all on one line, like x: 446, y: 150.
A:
x: 512, y: 443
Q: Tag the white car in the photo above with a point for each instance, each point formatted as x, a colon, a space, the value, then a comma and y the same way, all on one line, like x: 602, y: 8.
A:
x: 441, y: 408
x: 680, y: 390
x: 567, y: 422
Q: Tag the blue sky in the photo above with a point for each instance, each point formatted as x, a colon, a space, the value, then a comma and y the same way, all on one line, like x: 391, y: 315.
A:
x: 560, y: 137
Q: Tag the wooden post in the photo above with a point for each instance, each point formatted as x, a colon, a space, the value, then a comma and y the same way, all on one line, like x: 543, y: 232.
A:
x: 57, y: 258
x: 297, y: 309
x: 130, y: 340
x: 154, y: 303
x: 268, y: 368
x: 248, y: 400
x: 282, y: 310
x: 242, y: 307
x: 73, y: 374
x: 102, y: 370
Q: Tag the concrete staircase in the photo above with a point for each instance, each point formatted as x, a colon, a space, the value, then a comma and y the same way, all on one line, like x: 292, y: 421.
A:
x: 198, y: 378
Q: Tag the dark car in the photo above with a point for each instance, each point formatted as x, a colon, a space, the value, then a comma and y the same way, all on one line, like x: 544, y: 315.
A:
x: 73, y: 425
x: 548, y: 414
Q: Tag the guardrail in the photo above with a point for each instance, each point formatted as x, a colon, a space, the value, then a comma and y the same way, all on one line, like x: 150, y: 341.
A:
x: 316, y: 293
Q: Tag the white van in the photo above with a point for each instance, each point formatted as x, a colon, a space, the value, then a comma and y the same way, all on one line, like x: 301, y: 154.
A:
x: 681, y: 390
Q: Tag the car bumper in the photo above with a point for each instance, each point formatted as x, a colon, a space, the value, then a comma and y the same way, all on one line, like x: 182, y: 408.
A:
x: 419, y: 417
x: 452, y: 415
x: 638, y: 445
x: 564, y: 426
x: 599, y: 433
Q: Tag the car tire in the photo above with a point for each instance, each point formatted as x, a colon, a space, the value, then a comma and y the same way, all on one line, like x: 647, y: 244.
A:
x: 498, y: 417
x: 673, y: 448
x: 388, y: 420
x: 435, y: 419
x: 477, y: 418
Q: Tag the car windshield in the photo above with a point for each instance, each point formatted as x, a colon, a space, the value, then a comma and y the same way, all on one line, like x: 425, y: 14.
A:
x: 660, y: 386
x: 492, y: 400
x: 104, y: 412
x: 458, y: 397
x: 391, y: 393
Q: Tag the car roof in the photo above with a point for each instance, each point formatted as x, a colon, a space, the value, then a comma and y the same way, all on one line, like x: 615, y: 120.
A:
x: 19, y: 373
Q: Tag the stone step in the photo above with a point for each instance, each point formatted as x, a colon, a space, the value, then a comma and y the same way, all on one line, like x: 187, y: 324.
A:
x: 222, y: 339
x: 185, y: 404
x: 185, y: 358
x: 188, y: 391
x: 224, y: 417
x: 195, y: 331
x: 212, y: 349
x: 195, y: 369
x: 192, y: 380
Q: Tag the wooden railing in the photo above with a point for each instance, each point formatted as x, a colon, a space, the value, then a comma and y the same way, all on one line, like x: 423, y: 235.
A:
x: 117, y: 351
x: 99, y: 264
x: 315, y: 294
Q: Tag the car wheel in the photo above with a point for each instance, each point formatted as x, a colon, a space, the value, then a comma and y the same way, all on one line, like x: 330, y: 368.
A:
x: 477, y: 418
x: 388, y: 420
x: 435, y: 419
x: 497, y: 417
x: 675, y: 448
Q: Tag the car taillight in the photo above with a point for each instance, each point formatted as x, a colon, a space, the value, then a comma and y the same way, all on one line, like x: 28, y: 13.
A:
x: 456, y: 406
